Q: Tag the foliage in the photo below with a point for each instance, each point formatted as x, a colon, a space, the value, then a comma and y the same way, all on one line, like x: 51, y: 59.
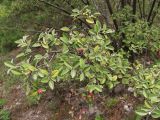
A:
x: 137, y: 36
x: 73, y: 56
x: 89, y: 56
x: 147, y: 84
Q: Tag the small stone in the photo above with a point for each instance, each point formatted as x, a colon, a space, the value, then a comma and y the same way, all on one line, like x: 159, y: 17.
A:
x: 91, y: 110
x: 128, y: 108
x: 130, y: 89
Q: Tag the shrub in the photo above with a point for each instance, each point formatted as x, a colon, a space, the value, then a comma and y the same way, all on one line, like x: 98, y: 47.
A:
x: 88, y: 56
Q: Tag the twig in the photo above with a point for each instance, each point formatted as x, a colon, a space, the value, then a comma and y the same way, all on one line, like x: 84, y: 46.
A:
x: 65, y: 11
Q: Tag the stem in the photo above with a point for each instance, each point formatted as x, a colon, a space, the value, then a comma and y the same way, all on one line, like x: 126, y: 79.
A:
x: 140, y: 9
x: 122, y: 3
x: 134, y: 8
x: 111, y: 12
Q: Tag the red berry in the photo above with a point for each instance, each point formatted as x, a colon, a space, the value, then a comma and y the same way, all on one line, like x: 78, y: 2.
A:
x: 39, y: 91
x: 90, y: 94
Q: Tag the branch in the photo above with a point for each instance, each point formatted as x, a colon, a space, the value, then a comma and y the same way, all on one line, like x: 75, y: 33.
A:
x: 111, y: 12
x: 22, y: 30
x: 144, y: 14
x: 68, y: 2
x: 58, y: 8
x: 122, y: 3
x: 151, y: 10
x: 134, y: 6
x: 65, y: 11
x: 155, y: 13
x: 140, y: 9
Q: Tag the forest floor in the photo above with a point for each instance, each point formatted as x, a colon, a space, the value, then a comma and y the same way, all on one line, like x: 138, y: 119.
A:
x: 65, y: 104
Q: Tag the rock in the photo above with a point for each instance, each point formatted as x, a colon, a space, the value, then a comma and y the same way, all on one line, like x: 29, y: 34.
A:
x: 128, y: 107
x: 130, y: 89
x: 119, y: 88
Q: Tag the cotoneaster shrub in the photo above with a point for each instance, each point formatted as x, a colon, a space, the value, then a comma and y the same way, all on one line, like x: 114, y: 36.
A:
x: 88, y: 56
x: 72, y: 56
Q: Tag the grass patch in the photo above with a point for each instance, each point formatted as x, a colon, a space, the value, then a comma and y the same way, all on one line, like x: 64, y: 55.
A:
x: 111, y: 102
x: 4, y: 114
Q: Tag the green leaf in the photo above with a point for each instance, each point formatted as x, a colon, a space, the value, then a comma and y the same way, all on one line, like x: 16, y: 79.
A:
x: 16, y: 72
x: 67, y: 65
x: 64, y: 38
x: 82, y: 77
x: 40, y: 74
x: 45, y: 45
x: 154, y: 99
x: 147, y: 104
x: 110, y: 85
x: 29, y: 66
x: 35, y: 76
x: 45, y: 80
x: 38, y: 57
x: 99, y: 88
x: 75, y: 10
x: 43, y: 71
x: 102, y: 81
x: 73, y: 73
x: 82, y: 63
x: 64, y: 71
x: 90, y: 20
x: 20, y: 55
x: 65, y: 49
x: 109, y: 48
x: 9, y: 65
x: 96, y: 49
x: 51, y: 85
x: 66, y: 29
x: 97, y: 27
x: 114, y: 78
x: 55, y: 73
x: 95, y: 87
x: 36, y: 45
x: 156, y: 113
x: 110, y: 31
x: 141, y: 112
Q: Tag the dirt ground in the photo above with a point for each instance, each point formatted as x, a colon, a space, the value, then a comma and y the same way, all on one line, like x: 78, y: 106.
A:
x: 69, y: 105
